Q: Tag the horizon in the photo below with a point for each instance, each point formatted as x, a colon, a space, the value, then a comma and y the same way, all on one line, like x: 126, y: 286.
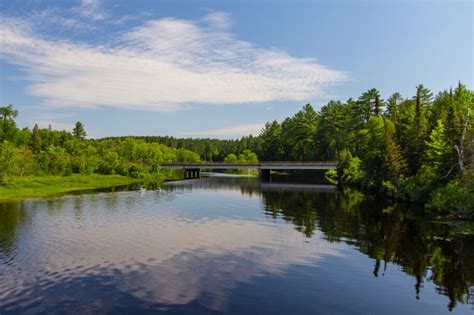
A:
x: 219, y: 69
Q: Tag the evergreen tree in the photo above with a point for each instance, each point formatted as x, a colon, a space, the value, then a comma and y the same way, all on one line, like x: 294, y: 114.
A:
x: 437, y: 148
x: 79, y: 132
x: 422, y: 101
x: 271, y: 148
x: 370, y: 103
x: 393, y: 104
x: 393, y: 159
x: 36, y: 139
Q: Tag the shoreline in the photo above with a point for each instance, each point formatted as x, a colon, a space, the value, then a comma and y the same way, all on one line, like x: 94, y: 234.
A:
x: 21, y: 188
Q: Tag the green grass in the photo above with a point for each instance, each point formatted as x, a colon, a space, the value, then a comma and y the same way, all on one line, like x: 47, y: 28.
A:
x: 46, y: 186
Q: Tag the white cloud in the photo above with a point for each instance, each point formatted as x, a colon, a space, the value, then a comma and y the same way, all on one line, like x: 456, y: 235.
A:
x: 219, y: 19
x: 165, y: 64
x: 234, y: 131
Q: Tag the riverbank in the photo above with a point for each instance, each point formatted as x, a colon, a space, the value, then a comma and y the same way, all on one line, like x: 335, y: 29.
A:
x: 47, y: 186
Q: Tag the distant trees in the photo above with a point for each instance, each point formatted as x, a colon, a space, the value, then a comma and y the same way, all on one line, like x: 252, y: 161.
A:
x: 246, y: 156
x: 45, y: 151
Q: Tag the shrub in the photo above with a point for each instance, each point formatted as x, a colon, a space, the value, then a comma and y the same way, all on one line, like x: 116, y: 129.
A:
x: 331, y: 176
x: 453, y: 198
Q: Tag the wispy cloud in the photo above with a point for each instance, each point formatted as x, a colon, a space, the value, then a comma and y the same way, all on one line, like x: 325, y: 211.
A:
x: 219, y: 19
x: 91, y: 9
x: 228, y: 132
x: 164, y: 64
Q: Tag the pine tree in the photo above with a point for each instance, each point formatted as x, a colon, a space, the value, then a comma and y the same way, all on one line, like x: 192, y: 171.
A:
x: 79, y: 132
x: 36, y: 139
x: 370, y: 103
x: 393, y: 104
x: 422, y: 100
x: 394, y: 161
x: 437, y: 147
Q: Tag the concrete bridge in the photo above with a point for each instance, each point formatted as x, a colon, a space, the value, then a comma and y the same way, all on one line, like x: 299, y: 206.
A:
x: 192, y: 170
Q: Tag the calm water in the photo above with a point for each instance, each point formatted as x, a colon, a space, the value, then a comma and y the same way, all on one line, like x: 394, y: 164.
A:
x: 229, y: 245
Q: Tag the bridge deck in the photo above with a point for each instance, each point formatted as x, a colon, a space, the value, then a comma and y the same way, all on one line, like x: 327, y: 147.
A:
x: 314, y: 165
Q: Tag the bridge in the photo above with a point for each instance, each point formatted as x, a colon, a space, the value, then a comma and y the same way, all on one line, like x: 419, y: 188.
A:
x: 192, y: 170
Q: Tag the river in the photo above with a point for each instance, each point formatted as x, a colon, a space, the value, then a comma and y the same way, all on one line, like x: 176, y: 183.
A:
x: 230, y: 245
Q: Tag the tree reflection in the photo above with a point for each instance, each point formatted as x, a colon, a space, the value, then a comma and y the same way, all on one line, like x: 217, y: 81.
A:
x: 386, y: 233
x: 12, y: 216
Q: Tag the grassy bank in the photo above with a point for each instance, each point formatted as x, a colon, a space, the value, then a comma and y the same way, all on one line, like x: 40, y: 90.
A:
x: 46, y: 186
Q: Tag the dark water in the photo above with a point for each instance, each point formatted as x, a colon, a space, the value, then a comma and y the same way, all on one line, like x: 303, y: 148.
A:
x: 229, y: 245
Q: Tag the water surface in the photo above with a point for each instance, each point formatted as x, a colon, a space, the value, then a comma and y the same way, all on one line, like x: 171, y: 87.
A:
x: 229, y: 245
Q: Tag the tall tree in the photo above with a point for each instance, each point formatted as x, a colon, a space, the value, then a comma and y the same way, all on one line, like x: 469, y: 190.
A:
x: 271, y: 145
x: 437, y: 148
x: 298, y: 134
x: 8, y: 160
x: 370, y: 103
x: 7, y: 123
x: 394, y: 161
x: 36, y: 139
x: 79, y: 131
x: 422, y: 101
x: 333, y: 135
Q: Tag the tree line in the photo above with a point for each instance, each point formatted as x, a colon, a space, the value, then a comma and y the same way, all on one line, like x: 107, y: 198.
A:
x: 209, y: 150
x: 43, y: 151
x: 418, y: 149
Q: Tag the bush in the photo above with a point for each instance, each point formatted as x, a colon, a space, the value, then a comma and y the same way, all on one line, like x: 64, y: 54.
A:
x: 418, y: 188
x: 349, y: 169
x: 453, y: 198
x: 331, y: 176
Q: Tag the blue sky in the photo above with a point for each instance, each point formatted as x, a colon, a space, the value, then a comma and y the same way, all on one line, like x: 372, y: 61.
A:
x: 219, y: 68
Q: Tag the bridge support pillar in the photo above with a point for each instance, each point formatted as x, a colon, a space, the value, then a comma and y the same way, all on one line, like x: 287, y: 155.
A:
x: 192, y: 173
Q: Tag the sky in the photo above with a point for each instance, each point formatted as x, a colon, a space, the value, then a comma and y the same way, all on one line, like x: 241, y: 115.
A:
x: 219, y: 68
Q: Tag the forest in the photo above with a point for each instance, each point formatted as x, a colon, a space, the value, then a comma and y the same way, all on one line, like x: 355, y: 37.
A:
x: 418, y: 149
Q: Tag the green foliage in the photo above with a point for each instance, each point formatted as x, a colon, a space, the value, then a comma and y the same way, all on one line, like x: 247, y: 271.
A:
x: 8, y: 160
x: 298, y: 133
x: 417, y: 189
x: 373, y: 148
x: 79, y: 132
x: 7, y: 123
x: 271, y: 146
x: 332, y: 134
x: 394, y: 162
x: 231, y: 158
x: 331, y: 176
x: 403, y: 147
x: 453, y: 198
x: 437, y: 148
x: 49, y: 152
x: 350, y: 170
x: 248, y: 157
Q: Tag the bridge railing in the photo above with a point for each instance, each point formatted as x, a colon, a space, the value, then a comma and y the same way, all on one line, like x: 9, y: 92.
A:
x: 263, y: 164
x: 257, y: 163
